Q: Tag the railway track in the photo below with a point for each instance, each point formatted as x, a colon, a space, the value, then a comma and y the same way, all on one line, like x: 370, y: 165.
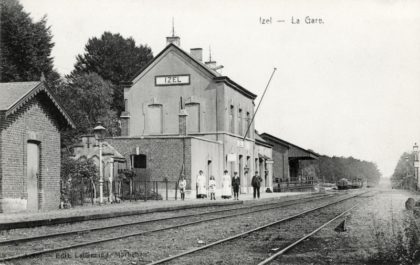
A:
x: 19, y: 243
x: 287, y: 245
x: 282, y: 251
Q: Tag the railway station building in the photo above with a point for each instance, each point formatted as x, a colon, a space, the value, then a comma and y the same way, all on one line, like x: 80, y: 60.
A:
x: 30, y: 123
x: 287, y: 157
x: 181, y: 116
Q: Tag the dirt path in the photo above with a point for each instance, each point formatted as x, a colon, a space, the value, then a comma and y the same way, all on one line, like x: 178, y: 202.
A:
x: 379, y: 232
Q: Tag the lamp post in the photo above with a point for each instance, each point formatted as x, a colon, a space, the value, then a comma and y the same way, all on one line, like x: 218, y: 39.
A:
x: 416, y: 164
x: 99, y: 132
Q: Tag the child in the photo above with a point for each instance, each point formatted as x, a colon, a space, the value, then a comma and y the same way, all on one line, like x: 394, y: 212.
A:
x: 212, y: 188
x: 182, y: 186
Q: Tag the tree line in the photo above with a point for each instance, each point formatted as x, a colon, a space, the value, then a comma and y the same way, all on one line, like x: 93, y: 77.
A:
x: 331, y: 169
x: 92, y: 92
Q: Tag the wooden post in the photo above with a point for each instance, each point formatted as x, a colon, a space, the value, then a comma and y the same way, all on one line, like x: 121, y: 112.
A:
x: 166, y: 183
x: 176, y: 190
x: 145, y: 190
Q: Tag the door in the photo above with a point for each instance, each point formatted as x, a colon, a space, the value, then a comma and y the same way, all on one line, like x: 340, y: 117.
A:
x: 32, y: 176
x: 241, y: 172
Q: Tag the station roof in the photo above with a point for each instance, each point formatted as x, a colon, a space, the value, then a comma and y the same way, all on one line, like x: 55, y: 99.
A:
x: 261, y: 141
x: 295, y: 152
x: 217, y: 77
x: 14, y: 95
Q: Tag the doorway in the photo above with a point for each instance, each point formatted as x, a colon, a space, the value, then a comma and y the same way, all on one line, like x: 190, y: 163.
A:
x: 32, y: 174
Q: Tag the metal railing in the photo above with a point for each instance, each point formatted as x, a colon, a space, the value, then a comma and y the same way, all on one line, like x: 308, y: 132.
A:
x: 83, y: 192
x: 293, y: 186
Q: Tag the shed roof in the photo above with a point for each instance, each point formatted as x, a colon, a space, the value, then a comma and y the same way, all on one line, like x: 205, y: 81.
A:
x: 12, y: 92
x: 295, y: 151
x: 14, y: 95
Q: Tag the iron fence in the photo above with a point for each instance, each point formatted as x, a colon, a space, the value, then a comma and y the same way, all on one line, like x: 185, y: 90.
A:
x: 293, y: 185
x: 84, y: 192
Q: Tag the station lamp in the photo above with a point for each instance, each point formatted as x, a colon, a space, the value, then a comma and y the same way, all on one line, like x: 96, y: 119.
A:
x: 99, y: 132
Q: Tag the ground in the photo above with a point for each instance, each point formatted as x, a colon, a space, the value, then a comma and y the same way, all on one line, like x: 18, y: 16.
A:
x: 378, y: 231
x: 381, y: 231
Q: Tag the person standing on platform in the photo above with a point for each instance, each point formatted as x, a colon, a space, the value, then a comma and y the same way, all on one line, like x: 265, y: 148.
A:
x: 182, y: 186
x: 212, y: 188
x: 236, y: 182
x: 256, y: 184
x: 201, y: 185
x: 226, y: 185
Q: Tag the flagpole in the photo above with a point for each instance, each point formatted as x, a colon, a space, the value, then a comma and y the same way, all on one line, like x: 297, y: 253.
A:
x: 259, y: 103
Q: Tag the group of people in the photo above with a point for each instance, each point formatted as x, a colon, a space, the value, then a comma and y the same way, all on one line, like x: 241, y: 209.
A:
x: 228, y: 184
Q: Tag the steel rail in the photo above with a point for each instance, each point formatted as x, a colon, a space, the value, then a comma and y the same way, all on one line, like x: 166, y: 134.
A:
x: 86, y: 230
x: 284, y: 250
x: 92, y: 242
x: 250, y: 231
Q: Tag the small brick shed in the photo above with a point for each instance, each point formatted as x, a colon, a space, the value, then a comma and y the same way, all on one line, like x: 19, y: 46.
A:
x: 30, y: 123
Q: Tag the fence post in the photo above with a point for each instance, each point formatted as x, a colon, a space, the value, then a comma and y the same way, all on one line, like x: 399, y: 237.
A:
x: 145, y: 190
x: 166, y: 184
x: 83, y: 191
x: 91, y: 193
x: 176, y: 190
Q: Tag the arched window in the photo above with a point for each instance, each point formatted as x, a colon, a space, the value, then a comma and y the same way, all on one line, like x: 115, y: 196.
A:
x: 193, y: 119
x: 155, y: 119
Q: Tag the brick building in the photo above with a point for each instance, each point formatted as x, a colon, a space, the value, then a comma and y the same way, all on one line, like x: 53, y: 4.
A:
x: 30, y: 124
x: 183, y: 115
x: 286, y: 157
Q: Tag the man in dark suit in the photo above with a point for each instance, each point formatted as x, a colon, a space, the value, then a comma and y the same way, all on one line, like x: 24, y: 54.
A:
x: 256, y: 184
x: 236, y: 182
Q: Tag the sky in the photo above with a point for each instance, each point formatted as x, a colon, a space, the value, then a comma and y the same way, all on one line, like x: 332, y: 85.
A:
x: 348, y: 86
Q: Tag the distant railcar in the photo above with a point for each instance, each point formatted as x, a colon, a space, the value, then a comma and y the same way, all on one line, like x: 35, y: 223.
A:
x: 343, y: 184
x: 356, y: 184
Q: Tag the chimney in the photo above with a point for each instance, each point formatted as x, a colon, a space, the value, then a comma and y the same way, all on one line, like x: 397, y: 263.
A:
x: 183, y: 122
x: 173, y: 39
x: 197, y: 53
x: 211, y: 64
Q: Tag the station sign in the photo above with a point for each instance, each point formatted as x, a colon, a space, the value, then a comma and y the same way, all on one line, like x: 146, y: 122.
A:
x: 231, y: 157
x: 172, y: 80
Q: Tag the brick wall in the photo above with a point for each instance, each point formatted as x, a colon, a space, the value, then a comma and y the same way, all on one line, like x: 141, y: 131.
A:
x: 164, y: 156
x: 35, y: 122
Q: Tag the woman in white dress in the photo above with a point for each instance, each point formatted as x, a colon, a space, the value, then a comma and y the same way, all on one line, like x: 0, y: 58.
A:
x: 201, y: 185
x: 226, y: 186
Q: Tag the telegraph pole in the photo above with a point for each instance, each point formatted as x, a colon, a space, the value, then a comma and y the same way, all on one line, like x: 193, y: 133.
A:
x: 259, y: 103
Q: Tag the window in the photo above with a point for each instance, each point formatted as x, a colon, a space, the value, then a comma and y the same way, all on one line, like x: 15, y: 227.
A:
x: 240, y: 122
x: 126, y: 105
x: 138, y: 161
x: 193, y: 118
x: 154, y: 119
x: 248, y: 122
x: 231, y: 121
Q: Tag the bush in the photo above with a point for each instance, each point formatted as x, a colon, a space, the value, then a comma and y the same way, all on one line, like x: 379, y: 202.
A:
x: 75, y: 175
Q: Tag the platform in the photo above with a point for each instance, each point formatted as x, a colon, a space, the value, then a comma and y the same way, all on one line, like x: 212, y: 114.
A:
x: 92, y: 212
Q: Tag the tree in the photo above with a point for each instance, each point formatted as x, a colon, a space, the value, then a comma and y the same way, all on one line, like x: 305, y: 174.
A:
x: 88, y: 99
x: 115, y: 59
x: 74, y: 176
x: 403, y: 176
x: 25, y: 46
